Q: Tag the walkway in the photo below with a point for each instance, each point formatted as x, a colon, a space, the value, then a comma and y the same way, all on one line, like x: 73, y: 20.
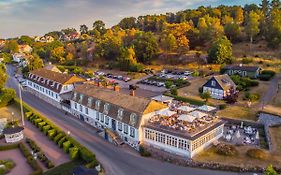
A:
x: 21, y: 168
x: 51, y: 150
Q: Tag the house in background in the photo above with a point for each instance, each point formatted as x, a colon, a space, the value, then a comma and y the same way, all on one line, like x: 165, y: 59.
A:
x: 25, y: 49
x: 18, y: 57
x: 243, y: 71
x: 219, y: 86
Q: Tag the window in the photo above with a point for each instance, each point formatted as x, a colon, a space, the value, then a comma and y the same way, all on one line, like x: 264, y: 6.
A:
x: 74, y: 95
x: 97, y: 116
x: 106, y: 120
x: 132, y: 132
x: 75, y: 105
x: 125, y: 129
x: 120, y: 114
x: 65, y: 88
x: 86, y: 110
x: 133, y: 119
x: 183, y: 144
x: 97, y: 105
x: 81, y: 108
x: 56, y: 96
x: 120, y: 126
x: 102, y: 118
x: 213, y: 83
x: 90, y: 101
x: 106, y: 108
x: 81, y: 98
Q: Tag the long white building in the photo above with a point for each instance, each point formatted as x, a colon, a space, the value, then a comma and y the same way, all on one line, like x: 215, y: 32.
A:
x: 120, y: 113
x: 50, y: 85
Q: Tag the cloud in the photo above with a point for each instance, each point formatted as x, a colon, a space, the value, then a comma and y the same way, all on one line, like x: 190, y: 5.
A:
x: 36, y: 17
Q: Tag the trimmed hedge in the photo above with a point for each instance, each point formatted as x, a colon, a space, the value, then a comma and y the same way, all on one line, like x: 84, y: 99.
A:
x: 58, y: 136
x: 66, y: 145
x: 74, y: 153
x: 8, y: 147
x: 187, y: 100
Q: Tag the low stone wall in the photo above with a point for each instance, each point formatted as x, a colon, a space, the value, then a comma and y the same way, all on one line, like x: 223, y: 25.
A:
x: 164, y: 156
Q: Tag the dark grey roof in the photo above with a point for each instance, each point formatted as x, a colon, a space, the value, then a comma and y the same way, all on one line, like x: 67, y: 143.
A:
x: 12, y: 130
x: 242, y: 68
x: 80, y: 170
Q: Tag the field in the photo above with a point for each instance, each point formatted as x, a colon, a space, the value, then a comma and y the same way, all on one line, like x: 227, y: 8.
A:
x: 241, y: 159
x: 238, y: 112
x: 276, y: 139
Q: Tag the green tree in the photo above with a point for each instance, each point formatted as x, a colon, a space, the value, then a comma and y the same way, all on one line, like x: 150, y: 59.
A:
x: 128, y: 23
x: 274, y: 32
x: 146, y: 46
x: 206, y: 96
x: 3, y: 76
x: 99, y: 26
x: 11, y: 46
x: 83, y: 29
x: 270, y: 171
x: 169, y: 42
x: 221, y: 51
x: 252, y: 25
x: 35, y: 63
x: 25, y: 40
x: 232, y: 31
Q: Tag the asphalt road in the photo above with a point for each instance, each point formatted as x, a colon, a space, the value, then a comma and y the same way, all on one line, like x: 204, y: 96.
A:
x: 115, y: 160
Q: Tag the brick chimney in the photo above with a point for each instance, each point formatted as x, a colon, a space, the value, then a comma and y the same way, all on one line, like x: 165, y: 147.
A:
x: 132, y: 92
x: 116, y: 88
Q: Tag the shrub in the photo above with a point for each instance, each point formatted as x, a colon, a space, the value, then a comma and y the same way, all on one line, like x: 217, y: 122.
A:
x: 41, y: 124
x: 74, y: 153
x: 46, y: 129
x: 252, y: 97
x: 52, y: 133
x: 37, y: 121
x: 92, y: 164
x: 226, y: 150
x: 8, y: 147
x: 33, y: 145
x: 28, y: 114
x: 49, y: 164
x: 24, y: 150
x: 66, y: 145
x: 247, y: 60
x: 143, y: 152
x: 268, y: 72
x: 174, y: 91
x: 61, y: 141
x: 222, y: 106
x: 58, y: 137
x: 87, y: 155
x: 256, y: 153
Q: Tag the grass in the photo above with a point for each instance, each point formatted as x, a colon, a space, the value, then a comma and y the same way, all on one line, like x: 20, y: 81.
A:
x: 64, y: 169
x: 276, y: 101
x: 276, y: 139
x: 6, y: 112
x: 241, y: 159
x: 238, y: 112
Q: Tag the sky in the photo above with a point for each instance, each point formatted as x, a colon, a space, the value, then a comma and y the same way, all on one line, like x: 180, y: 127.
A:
x: 37, y: 17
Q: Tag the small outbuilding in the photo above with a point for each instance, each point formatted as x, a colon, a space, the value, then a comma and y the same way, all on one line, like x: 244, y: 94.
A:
x: 243, y: 71
x: 14, y: 134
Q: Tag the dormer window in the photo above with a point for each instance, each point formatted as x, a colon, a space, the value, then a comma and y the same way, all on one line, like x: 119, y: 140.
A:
x: 81, y: 98
x: 58, y: 86
x: 120, y: 114
x: 213, y: 83
x: 90, y: 101
x: 106, y: 108
x: 133, y: 119
x: 97, y: 105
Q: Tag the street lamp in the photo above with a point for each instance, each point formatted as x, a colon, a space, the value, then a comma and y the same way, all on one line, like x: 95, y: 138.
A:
x: 68, y: 133
x: 21, y: 108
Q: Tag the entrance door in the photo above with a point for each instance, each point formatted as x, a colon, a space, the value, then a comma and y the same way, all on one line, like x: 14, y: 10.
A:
x: 113, y: 124
x: 82, y: 117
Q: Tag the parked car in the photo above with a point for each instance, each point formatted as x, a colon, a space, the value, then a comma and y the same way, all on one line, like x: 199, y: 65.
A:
x: 126, y: 79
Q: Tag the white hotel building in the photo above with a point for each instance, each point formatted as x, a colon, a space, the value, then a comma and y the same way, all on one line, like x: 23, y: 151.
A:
x: 50, y: 85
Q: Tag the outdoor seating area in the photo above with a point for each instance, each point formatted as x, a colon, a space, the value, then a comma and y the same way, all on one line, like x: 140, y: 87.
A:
x: 241, y: 135
x: 183, y: 118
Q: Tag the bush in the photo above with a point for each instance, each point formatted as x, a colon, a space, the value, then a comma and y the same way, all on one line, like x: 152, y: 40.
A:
x: 52, y: 133
x: 174, y: 91
x: 143, y: 152
x: 243, y: 83
x: 41, y: 124
x: 252, y: 97
x: 7, y: 96
x: 87, y: 155
x: 74, y: 153
x: 46, y: 129
x: 33, y: 145
x: 256, y: 153
x: 58, y: 137
x: 226, y: 150
x: 247, y: 60
x: 8, y: 147
x: 265, y: 77
x: 222, y: 106
x: 268, y: 72
x: 63, y: 139
x: 66, y: 145
x: 49, y: 164
x: 24, y: 150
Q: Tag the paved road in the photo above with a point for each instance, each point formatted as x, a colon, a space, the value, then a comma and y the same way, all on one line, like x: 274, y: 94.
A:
x: 271, y: 91
x: 116, y: 160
